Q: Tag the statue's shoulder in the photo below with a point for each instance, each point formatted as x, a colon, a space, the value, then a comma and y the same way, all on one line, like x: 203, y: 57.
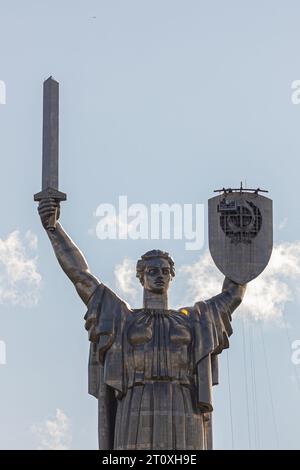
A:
x: 189, y: 312
x: 185, y: 311
x: 195, y: 312
x: 106, y: 299
x: 111, y: 294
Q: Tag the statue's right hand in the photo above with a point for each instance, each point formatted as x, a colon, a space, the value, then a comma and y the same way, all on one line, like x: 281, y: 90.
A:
x: 47, y: 208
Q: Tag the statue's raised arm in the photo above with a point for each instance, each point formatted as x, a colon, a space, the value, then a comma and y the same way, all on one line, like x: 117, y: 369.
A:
x: 67, y: 253
x: 231, y: 296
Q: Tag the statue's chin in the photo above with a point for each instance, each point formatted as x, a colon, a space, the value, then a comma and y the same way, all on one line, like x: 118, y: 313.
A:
x: 157, y: 290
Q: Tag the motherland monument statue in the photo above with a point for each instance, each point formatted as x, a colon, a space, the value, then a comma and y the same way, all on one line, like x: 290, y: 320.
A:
x: 152, y: 369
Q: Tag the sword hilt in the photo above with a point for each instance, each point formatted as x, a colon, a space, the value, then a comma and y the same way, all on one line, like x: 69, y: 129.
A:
x: 58, y: 196
x: 52, y: 221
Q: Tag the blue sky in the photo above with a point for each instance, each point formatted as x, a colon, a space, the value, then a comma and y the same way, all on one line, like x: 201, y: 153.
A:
x: 196, y: 94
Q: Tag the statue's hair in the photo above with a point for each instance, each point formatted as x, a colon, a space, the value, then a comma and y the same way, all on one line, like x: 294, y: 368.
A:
x: 141, y: 264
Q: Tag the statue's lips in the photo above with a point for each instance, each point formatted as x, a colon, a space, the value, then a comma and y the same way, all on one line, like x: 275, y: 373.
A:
x: 159, y: 283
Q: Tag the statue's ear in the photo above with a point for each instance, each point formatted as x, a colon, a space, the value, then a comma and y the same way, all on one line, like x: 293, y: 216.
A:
x: 141, y: 279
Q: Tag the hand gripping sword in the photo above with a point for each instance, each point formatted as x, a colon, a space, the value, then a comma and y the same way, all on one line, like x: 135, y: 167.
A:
x: 50, y: 148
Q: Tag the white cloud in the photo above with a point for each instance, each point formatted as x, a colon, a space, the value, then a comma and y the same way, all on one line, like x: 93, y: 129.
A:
x: 53, y: 434
x: 200, y: 280
x: 19, y: 278
x: 126, y: 281
x: 266, y: 296
x: 283, y: 223
x: 31, y: 239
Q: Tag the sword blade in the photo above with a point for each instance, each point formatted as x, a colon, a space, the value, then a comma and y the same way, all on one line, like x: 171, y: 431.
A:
x: 50, y: 134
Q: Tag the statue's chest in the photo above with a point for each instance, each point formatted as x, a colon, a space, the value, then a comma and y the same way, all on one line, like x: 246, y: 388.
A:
x: 161, y: 344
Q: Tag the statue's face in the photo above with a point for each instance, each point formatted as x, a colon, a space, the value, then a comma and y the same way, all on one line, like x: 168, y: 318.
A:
x: 157, y: 275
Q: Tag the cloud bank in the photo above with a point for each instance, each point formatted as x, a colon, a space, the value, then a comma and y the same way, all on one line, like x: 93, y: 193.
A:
x: 126, y: 281
x: 19, y: 278
x: 54, y: 434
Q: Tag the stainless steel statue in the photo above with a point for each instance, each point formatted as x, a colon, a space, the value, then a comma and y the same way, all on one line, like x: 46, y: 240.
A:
x: 152, y: 369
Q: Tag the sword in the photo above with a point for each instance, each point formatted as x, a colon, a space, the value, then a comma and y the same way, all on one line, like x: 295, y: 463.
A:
x: 50, y: 148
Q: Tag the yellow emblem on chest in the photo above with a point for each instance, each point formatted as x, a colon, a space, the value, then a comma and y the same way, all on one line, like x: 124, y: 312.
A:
x: 184, y: 311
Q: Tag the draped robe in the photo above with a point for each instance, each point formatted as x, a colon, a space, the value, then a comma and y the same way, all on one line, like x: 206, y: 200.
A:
x: 152, y: 371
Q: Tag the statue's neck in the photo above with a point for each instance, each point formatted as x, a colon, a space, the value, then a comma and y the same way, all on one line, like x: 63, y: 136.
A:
x: 155, y: 301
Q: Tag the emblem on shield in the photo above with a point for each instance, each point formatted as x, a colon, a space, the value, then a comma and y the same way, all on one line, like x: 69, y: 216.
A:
x: 240, y: 225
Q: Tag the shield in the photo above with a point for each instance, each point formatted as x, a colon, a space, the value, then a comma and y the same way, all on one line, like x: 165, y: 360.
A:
x: 240, y: 228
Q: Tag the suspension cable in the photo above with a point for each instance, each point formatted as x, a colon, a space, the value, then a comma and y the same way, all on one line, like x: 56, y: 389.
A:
x: 254, y: 391
x: 246, y: 383
x: 289, y: 340
x: 230, y: 402
x: 269, y: 386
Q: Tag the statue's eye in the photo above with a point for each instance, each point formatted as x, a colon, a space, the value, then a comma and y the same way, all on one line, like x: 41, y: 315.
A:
x: 152, y: 271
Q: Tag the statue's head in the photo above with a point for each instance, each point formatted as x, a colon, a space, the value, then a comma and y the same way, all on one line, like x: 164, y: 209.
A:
x: 155, y: 270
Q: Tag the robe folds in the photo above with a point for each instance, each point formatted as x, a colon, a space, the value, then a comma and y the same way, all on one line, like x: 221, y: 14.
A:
x: 152, y: 371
